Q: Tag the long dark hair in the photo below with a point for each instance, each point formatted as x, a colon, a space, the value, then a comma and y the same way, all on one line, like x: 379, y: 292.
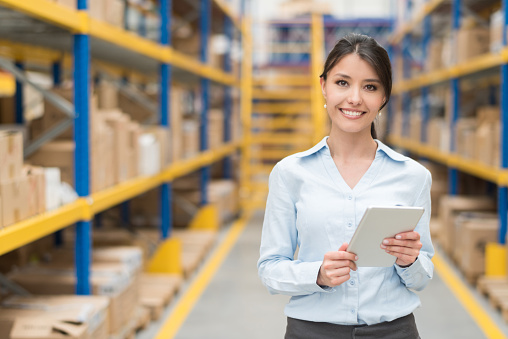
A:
x: 370, y: 51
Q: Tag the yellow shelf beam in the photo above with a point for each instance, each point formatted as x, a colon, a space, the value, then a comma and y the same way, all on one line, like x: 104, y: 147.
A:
x: 281, y: 94
x: 7, y: 85
x: 302, y: 107
x: 283, y: 80
x: 472, y: 167
x: 49, y: 11
x: 406, y: 28
x: 477, y: 64
x: 34, y: 228
x: 81, y: 22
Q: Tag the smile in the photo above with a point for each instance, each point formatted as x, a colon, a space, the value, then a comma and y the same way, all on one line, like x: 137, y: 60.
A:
x: 351, y: 113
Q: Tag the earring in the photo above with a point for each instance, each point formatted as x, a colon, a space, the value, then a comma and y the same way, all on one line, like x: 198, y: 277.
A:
x: 379, y: 113
x: 325, y: 106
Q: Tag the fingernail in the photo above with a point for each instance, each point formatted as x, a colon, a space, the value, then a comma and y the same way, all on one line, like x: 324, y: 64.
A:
x: 398, y: 237
x: 383, y: 246
x: 356, y: 258
x: 385, y: 242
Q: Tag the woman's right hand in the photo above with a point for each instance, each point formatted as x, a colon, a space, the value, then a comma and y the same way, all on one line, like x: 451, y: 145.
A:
x: 336, y: 267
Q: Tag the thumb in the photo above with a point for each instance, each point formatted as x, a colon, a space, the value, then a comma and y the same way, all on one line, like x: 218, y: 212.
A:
x: 343, y: 247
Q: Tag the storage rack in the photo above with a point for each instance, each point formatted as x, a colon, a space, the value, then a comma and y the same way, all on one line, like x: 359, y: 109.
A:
x: 454, y: 162
x: 111, y: 44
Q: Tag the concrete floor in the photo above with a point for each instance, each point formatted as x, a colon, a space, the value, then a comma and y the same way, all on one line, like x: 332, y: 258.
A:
x: 236, y: 305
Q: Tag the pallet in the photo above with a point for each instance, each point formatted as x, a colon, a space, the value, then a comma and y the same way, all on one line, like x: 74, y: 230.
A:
x: 157, y: 291
x: 142, y: 315
x: 485, y: 284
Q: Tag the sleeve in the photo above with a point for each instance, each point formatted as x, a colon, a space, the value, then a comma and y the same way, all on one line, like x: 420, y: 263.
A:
x: 278, y: 270
x: 417, y: 276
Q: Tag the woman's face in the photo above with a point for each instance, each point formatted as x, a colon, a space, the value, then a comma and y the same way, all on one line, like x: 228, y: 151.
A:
x: 353, y: 95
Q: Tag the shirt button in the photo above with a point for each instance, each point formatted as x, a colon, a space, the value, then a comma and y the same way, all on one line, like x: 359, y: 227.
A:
x: 351, y: 282
x: 352, y: 311
x: 350, y: 224
x: 349, y: 197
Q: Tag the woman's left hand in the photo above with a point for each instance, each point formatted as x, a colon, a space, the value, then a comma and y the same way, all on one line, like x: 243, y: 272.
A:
x: 405, y: 246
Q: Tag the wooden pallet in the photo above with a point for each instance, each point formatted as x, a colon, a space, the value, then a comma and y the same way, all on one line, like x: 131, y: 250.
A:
x: 143, y: 318
x: 157, y: 290
x: 485, y: 284
x: 496, y: 289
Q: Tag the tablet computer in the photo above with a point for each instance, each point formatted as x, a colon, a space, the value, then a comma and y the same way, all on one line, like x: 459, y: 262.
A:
x: 376, y: 224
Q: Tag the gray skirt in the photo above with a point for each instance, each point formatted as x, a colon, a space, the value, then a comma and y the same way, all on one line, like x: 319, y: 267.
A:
x: 401, y: 328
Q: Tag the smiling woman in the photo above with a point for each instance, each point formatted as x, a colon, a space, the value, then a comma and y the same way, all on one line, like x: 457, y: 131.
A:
x: 317, y: 198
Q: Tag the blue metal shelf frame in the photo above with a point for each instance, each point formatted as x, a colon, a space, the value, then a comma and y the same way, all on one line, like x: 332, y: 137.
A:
x: 228, y: 101
x: 56, y: 69
x: 19, y: 96
x: 82, y: 153
x: 453, y: 175
x: 503, y: 191
x: 165, y: 88
x: 205, y: 13
x: 425, y: 90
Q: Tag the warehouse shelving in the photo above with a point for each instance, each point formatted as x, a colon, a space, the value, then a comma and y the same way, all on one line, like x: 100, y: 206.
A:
x: 7, y: 84
x: 117, y: 50
x: 477, y: 66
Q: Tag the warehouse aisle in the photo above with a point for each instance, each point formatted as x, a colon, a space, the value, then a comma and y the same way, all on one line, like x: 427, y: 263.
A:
x: 236, y: 305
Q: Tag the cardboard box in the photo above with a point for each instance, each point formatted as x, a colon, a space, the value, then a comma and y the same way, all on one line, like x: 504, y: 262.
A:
x: 111, y: 280
x: 434, y: 58
x: 114, y: 12
x: 7, y: 110
x: 80, y: 312
x: 11, y: 155
x: 72, y: 4
x: 14, y: 195
x: 107, y: 95
x: 163, y: 136
x: 102, y: 160
x: 472, y: 42
x: 57, y: 154
x: 474, y: 231
x: 36, y: 198
x: 465, y: 142
x: 450, y: 207
x: 496, y: 31
x: 119, y: 123
x: 190, y: 138
x: 215, y: 128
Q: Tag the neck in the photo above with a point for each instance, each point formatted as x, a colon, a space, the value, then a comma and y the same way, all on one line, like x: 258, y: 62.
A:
x: 351, y: 146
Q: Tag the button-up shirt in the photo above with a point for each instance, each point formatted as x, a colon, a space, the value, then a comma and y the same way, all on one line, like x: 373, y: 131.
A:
x: 311, y: 208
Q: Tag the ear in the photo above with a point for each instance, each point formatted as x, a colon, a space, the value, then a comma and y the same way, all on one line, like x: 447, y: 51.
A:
x: 323, y: 90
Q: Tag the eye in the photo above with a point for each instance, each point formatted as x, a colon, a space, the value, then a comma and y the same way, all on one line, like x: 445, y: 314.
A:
x: 371, y: 88
x: 341, y: 83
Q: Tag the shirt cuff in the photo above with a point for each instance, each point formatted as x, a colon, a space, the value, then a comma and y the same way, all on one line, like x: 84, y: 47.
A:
x: 412, y: 273
x: 309, y: 277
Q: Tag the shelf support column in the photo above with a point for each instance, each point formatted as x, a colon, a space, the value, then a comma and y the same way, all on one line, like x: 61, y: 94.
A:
x: 455, y: 93
x: 228, y: 101
x: 503, y: 190
x: 205, y: 13
x: 82, y: 153
x: 19, y: 96
x: 425, y: 90
x: 165, y: 88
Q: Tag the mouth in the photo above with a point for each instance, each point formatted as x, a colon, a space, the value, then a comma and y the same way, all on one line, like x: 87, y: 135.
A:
x: 352, y: 113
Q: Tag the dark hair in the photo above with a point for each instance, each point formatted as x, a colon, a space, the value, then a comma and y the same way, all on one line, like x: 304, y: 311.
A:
x: 368, y: 50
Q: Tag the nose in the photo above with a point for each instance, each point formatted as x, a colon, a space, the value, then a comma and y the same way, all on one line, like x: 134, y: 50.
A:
x: 355, y: 97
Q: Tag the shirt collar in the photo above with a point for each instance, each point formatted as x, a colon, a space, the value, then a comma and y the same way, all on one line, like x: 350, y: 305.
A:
x: 380, y: 147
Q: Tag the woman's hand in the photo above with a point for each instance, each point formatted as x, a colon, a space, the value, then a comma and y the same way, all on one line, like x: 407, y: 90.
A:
x: 336, y: 267
x: 405, y: 246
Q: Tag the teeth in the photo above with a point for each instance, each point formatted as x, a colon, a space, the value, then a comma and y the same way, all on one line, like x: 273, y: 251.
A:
x: 352, y: 113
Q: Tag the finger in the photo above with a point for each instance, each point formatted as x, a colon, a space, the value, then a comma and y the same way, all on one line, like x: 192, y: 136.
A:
x: 339, y: 280
x: 402, y: 250
x: 340, y: 255
x: 413, y: 235
x: 343, y: 247
x: 335, y: 273
x: 404, y: 257
x: 416, y: 244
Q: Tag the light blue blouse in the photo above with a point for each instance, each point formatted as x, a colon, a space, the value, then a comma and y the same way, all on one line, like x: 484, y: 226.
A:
x: 310, y: 207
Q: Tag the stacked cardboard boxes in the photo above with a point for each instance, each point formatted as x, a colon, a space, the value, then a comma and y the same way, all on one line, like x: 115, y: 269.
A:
x: 51, y: 317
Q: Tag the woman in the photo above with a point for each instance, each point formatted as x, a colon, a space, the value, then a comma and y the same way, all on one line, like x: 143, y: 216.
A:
x: 316, y: 199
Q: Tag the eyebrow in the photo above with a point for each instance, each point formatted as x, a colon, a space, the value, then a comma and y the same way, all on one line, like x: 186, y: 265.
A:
x: 348, y: 77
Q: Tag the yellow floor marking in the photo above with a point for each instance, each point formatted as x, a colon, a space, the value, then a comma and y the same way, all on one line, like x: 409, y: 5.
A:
x: 191, y: 296
x: 467, y: 299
